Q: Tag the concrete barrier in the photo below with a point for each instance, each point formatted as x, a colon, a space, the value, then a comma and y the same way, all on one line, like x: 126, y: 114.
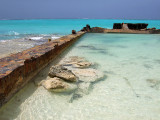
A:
x: 17, y: 69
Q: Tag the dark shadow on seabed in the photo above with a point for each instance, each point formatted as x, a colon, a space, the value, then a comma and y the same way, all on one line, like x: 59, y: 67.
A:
x: 27, y: 91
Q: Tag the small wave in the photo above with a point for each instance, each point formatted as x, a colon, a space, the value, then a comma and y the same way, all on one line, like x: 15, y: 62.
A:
x: 35, y: 38
x: 55, y: 37
x: 13, y: 33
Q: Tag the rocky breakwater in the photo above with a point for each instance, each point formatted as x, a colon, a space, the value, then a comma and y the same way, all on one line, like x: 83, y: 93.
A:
x: 75, y: 75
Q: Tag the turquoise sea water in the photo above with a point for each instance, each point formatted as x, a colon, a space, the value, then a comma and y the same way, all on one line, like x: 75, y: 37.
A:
x: 131, y: 90
x: 12, y: 29
x: 131, y: 63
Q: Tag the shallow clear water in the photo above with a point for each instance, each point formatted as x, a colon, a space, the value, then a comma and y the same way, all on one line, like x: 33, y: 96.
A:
x: 130, y: 91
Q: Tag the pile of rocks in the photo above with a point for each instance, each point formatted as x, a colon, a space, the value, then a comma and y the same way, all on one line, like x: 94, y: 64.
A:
x: 86, y: 29
x: 73, y: 74
x: 60, y: 79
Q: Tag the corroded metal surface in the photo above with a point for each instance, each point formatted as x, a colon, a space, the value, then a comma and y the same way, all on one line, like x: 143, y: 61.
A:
x: 17, y: 69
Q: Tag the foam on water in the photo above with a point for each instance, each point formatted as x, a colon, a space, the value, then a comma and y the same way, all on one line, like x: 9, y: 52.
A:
x: 55, y: 37
x: 36, y: 38
x: 130, y: 91
x: 13, y: 33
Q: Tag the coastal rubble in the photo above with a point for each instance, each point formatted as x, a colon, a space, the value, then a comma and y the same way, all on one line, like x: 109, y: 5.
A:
x: 87, y: 28
x: 83, y: 89
x: 74, y: 32
x: 62, y: 72
x: 77, y: 62
x: 88, y: 75
x: 75, y: 74
x: 58, y: 85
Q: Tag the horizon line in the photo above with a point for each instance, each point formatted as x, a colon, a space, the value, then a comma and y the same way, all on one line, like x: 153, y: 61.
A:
x: 77, y: 18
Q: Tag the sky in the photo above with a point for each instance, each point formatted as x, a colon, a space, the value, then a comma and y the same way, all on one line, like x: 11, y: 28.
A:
x: 92, y: 9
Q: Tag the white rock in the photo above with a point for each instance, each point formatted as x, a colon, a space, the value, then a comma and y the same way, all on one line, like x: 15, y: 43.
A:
x: 77, y: 62
x: 88, y: 75
x: 58, y: 85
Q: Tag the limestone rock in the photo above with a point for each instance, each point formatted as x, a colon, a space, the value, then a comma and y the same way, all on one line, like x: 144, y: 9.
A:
x: 63, y: 73
x: 83, y: 89
x: 58, y: 85
x: 82, y: 64
x: 77, y: 62
x: 75, y: 59
x: 88, y: 75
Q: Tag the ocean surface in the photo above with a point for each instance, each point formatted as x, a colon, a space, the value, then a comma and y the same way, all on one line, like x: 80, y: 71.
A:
x: 13, y: 29
x: 131, y: 90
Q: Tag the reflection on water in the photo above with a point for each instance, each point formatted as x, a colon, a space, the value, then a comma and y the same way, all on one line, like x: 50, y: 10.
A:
x: 130, y: 91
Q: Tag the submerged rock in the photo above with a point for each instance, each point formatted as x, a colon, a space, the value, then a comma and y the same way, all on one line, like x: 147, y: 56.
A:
x: 68, y: 71
x: 63, y: 73
x: 75, y: 59
x: 77, y: 62
x: 82, y: 64
x: 88, y: 75
x: 84, y: 87
x: 58, y: 85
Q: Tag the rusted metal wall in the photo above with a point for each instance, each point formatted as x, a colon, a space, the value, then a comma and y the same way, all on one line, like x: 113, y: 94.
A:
x: 17, y: 69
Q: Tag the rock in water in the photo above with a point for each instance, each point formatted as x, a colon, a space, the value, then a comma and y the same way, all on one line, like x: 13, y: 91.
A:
x: 82, y: 64
x: 58, y: 85
x: 77, y: 62
x: 73, y: 32
x: 83, y: 89
x: 54, y: 83
x: 75, y: 59
x: 62, y: 72
x: 88, y: 75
